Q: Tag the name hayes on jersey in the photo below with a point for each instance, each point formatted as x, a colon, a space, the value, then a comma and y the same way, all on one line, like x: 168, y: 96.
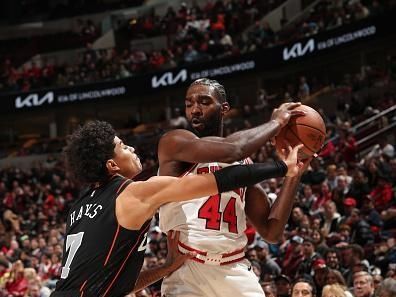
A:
x: 88, y: 210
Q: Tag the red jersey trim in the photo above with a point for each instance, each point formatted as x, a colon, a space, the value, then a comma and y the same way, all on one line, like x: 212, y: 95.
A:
x: 126, y: 259
x: 120, y: 187
x: 112, y: 245
x: 82, y: 288
x: 189, y: 170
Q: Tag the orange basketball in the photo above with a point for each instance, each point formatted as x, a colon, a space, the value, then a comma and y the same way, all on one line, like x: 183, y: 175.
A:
x: 310, y: 130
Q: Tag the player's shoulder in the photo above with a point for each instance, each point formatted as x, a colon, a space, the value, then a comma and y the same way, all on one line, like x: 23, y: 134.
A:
x: 139, y: 189
x: 172, y: 142
x: 177, y: 134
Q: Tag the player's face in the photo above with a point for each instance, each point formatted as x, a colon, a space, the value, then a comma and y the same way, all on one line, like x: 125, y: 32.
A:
x: 126, y: 159
x: 203, y: 110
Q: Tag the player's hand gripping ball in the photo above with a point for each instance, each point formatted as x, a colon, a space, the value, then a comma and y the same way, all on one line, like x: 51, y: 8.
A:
x: 310, y: 130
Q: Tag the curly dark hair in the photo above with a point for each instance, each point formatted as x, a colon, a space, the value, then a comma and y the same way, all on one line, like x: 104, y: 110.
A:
x: 87, y: 151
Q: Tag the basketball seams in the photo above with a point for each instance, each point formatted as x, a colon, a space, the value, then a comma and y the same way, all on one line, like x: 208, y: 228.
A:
x: 306, y: 146
x: 305, y: 125
x: 310, y: 128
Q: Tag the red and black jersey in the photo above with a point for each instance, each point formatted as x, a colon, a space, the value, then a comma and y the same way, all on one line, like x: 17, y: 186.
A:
x: 100, y: 258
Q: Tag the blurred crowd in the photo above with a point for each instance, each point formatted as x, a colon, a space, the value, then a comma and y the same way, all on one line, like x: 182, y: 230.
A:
x: 343, y: 220
x: 210, y: 17
x: 195, y: 34
x: 34, y: 205
x: 43, y: 10
x: 350, y: 90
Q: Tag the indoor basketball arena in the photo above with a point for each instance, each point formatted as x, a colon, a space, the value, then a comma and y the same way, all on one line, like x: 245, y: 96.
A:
x: 197, y: 148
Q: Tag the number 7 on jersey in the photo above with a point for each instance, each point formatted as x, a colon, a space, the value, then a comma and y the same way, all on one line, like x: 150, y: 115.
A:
x: 73, y: 242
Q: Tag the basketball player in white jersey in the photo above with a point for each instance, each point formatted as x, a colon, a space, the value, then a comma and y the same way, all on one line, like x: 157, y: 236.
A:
x: 214, y: 226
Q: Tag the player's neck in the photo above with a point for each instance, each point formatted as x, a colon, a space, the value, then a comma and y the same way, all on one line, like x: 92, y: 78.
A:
x: 220, y: 132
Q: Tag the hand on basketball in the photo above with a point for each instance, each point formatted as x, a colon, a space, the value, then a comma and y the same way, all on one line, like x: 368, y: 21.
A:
x: 285, y: 112
x: 175, y: 259
x: 295, y: 166
x: 289, y: 156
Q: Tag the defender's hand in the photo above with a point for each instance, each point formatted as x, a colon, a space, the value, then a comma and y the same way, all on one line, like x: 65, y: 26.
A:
x: 285, y: 112
x: 175, y: 259
x: 289, y: 156
x: 304, y: 164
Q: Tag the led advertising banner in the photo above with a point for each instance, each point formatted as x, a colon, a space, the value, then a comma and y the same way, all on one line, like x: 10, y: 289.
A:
x: 217, y: 69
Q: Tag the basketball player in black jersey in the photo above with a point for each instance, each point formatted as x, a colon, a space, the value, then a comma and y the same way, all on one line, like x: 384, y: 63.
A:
x: 107, y: 226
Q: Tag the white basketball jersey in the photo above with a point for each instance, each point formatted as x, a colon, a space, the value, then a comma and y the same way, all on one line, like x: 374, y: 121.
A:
x: 213, y: 223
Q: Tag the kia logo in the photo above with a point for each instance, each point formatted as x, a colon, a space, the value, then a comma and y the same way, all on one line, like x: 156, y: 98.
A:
x: 168, y: 79
x: 298, y: 50
x: 33, y: 100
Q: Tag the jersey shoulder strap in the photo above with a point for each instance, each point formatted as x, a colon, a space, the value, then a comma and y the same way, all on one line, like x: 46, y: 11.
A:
x: 124, y: 182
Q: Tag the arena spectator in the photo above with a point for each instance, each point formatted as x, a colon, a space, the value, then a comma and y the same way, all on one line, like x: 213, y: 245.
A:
x: 310, y: 256
x: 333, y: 290
x: 382, y: 192
x: 283, y: 285
x: 320, y: 271
x: 269, y: 289
x: 303, y: 89
x: 178, y: 121
x: 363, y: 284
x: 268, y: 266
x: 303, y: 287
x: 387, y: 288
x: 293, y: 256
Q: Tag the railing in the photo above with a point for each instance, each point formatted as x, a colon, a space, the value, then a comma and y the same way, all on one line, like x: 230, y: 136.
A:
x: 368, y: 131
x: 374, y: 135
x: 373, y: 118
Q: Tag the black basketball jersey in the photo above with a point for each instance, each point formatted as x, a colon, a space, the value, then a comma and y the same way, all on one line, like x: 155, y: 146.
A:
x: 100, y: 258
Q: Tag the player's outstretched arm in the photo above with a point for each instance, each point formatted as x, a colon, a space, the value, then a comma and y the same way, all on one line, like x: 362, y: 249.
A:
x: 172, y: 189
x: 174, y: 260
x: 183, y: 145
x: 139, y: 201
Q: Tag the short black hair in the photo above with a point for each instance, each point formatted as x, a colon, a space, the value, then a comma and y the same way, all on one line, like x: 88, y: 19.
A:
x: 87, y: 151
x: 331, y: 251
x: 357, y: 250
x: 310, y: 240
x: 219, y: 88
x: 305, y: 280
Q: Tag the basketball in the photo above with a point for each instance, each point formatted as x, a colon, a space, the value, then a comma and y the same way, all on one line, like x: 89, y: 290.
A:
x: 309, y: 130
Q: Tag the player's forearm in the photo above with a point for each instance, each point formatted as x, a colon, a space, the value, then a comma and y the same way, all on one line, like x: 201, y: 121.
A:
x: 148, y: 277
x: 281, y: 209
x: 249, y: 141
x: 223, y: 180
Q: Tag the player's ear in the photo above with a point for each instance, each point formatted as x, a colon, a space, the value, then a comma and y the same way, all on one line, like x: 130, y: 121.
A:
x: 112, y: 166
x: 273, y: 141
x: 225, y: 107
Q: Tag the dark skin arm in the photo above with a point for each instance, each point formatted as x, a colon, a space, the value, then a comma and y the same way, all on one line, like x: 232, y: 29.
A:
x: 173, y: 261
x: 184, y: 146
x: 270, y: 222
